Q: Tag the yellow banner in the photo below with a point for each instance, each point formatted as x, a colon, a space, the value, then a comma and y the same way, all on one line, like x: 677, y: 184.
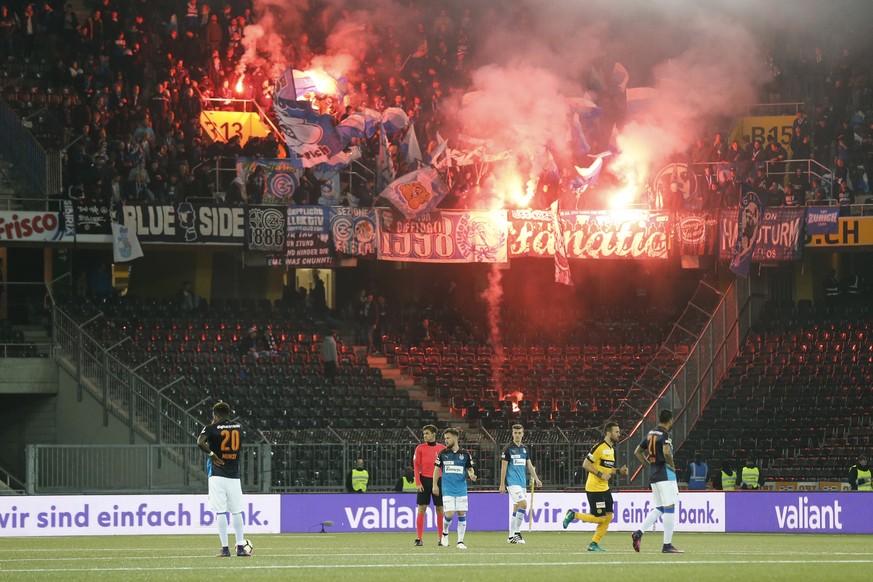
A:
x: 224, y: 125
x: 854, y: 232
x: 763, y: 126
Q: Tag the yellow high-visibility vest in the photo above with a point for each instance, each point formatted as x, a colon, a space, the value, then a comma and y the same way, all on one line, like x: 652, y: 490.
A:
x: 360, y: 478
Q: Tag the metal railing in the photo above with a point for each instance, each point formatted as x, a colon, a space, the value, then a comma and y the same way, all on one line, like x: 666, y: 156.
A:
x: 122, y: 392
x: 133, y: 469
x: 711, y: 349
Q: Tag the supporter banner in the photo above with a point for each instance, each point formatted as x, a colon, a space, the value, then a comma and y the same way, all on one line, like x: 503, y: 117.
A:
x: 531, y: 233
x: 225, y: 125
x: 308, y: 237
x: 749, y: 217
x: 626, y: 234
x: 471, y: 236
x: 27, y: 226
x: 266, y: 228
x: 281, y: 177
x: 779, y: 127
x: 186, y: 223
x: 103, y: 515
x: 696, y: 233
x: 779, y: 236
x: 93, y: 222
x: 354, y: 231
x: 853, y: 232
x: 799, y: 512
x: 823, y: 220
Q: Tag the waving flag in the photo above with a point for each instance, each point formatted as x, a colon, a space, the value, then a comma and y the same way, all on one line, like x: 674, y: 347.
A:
x: 352, y: 127
x: 417, y: 192
x: 578, y: 141
x: 311, y: 137
x: 394, y: 119
x: 749, y: 217
x: 385, y: 172
x: 293, y: 84
x: 562, y: 266
x: 409, y: 147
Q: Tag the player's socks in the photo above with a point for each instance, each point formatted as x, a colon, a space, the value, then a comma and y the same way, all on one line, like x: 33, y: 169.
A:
x: 221, y: 520
x: 439, y: 522
x: 462, y: 528
x: 447, y: 522
x: 651, y: 518
x: 517, y: 520
x: 601, y: 528
x: 669, y: 525
x: 237, y: 519
x: 419, y: 525
x: 588, y: 518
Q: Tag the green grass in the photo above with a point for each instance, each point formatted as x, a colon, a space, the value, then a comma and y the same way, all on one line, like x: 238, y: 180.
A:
x: 381, y: 556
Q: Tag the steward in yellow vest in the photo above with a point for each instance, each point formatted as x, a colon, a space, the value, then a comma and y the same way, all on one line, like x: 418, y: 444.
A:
x: 358, y: 478
x: 860, y: 475
x: 750, y: 476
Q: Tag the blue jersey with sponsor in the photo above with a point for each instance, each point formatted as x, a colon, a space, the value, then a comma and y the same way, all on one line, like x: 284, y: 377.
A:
x: 653, y: 445
x: 516, y: 470
x: 454, y: 465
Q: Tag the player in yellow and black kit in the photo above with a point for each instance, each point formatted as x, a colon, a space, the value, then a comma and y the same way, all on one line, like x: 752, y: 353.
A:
x: 601, y: 466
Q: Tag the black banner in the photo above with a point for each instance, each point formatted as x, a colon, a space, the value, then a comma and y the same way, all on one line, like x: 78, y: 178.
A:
x: 266, y: 229
x: 187, y: 223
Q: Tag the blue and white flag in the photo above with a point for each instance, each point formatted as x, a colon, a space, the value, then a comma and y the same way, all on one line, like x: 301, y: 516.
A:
x: 385, y: 172
x: 293, y: 84
x: 749, y: 217
x: 311, y: 137
x: 823, y: 220
x: 417, y: 192
x: 578, y: 141
x: 394, y: 119
x: 409, y: 147
x: 125, y: 243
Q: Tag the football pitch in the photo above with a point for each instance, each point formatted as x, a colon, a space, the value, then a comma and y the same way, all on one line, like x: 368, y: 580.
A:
x: 391, y: 556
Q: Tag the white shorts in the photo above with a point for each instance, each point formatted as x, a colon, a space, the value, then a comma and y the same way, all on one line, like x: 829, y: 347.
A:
x: 225, y: 495
x: 455, y: 503
x: 666, y: 493
x: 517, y: 493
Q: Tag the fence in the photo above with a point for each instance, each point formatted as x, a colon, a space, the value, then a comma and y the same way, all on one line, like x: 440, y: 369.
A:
x: 280, y: 468
x: 66, y: 469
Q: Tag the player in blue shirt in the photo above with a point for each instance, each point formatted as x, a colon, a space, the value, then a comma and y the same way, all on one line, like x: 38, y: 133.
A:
x: 513, y: 478
x: 454, y: 464
x: 656, y: 451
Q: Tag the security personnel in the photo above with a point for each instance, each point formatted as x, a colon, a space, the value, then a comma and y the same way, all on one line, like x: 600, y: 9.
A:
x: 727, y: 478
x: 358, y: 478
x: 860, y: 475
x: 696, y: 475
x: 406, y: 483
x: 750, y: 477
x: 832, y: 286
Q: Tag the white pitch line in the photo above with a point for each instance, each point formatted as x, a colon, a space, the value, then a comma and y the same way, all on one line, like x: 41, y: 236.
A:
x: 466, y: 564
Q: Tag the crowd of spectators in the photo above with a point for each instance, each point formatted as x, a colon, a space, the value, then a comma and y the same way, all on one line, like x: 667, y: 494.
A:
x: 122, y: 89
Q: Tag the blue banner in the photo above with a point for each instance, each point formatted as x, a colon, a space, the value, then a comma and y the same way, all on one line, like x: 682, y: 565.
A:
x: 355, y: 231
x: 822, y: 221
x: 749, y: 217
x: 779, y: 236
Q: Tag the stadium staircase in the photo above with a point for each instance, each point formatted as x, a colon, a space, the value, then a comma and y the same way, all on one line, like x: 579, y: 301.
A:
x: 798, y: 398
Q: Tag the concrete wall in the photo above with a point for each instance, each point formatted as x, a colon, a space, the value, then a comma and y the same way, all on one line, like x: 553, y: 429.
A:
x: 82, y: 422
x: 28, y: 376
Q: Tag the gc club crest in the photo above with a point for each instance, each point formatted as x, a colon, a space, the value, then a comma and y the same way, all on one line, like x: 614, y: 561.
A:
x: 479, y: 239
